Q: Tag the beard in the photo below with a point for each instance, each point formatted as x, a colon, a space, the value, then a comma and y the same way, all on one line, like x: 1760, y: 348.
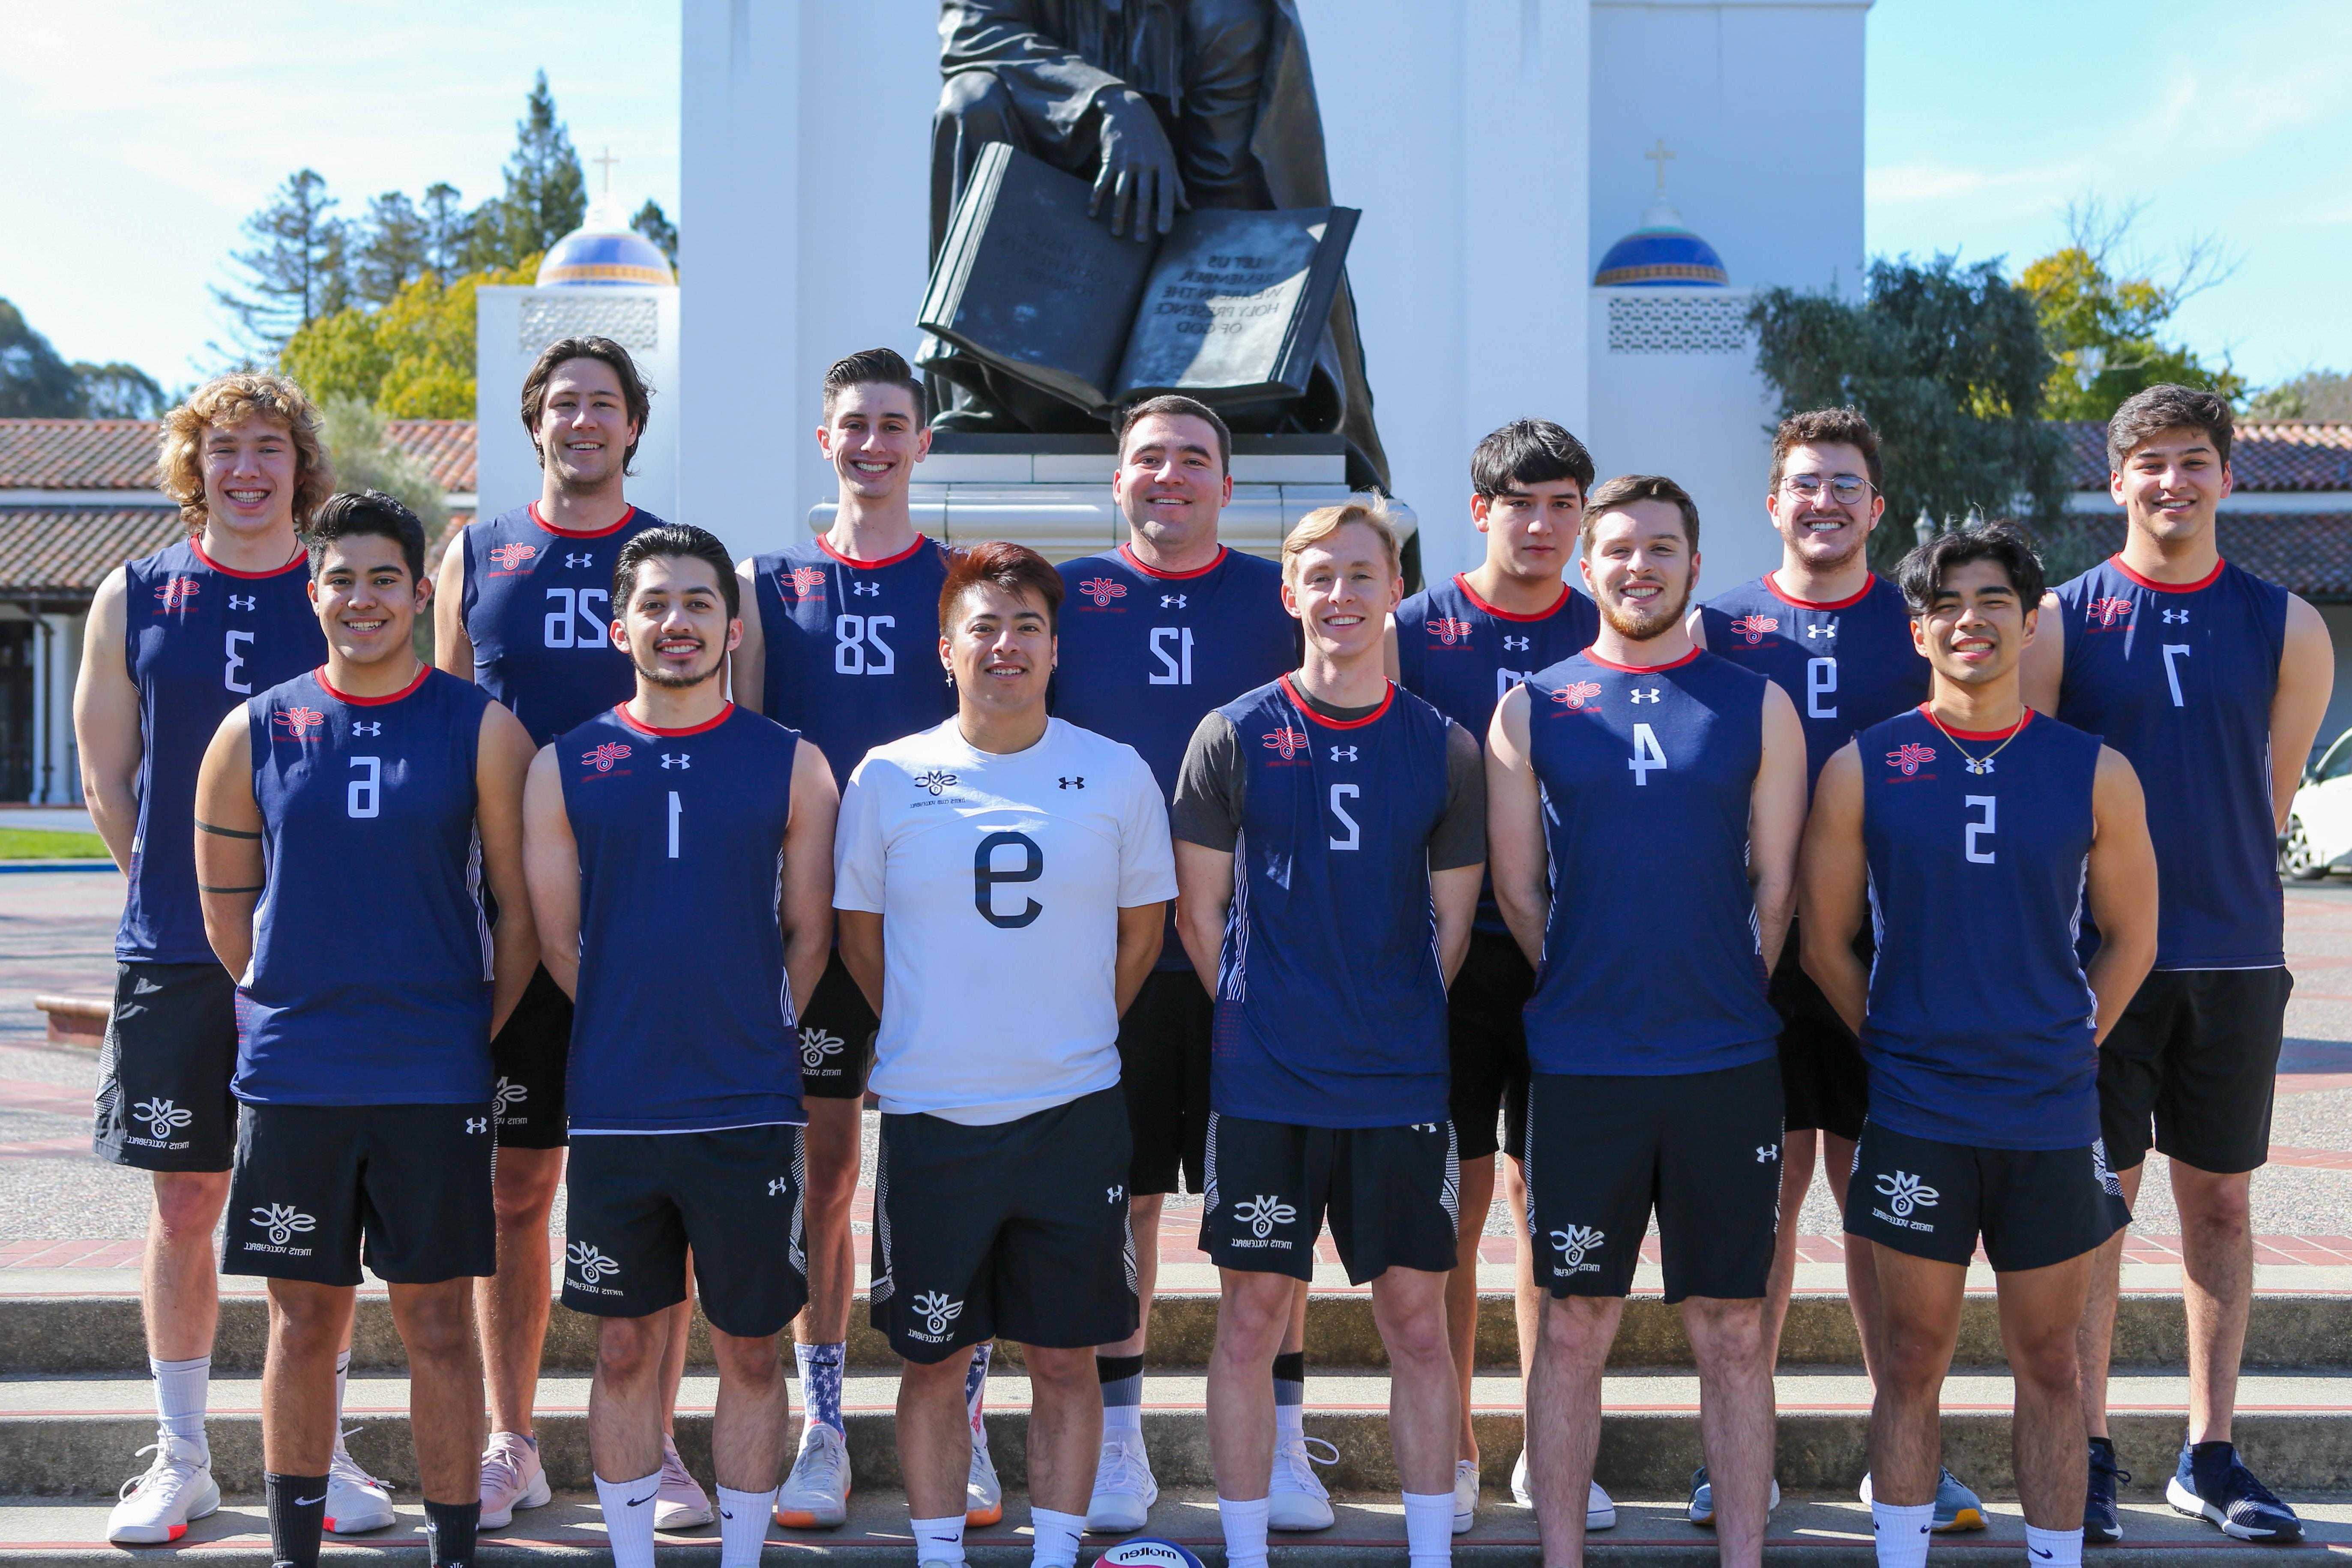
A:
x: 1831, y: 563
x: 1641, y: 625
x: 674, y: 680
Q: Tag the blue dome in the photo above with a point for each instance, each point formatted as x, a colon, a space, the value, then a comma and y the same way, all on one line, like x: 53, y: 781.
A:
x: 603, y: 252
x: 1662, y: 254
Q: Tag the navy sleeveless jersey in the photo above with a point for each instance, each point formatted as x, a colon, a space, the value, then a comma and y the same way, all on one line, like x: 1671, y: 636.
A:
x: 1660, y: 765
x: 1147, y: 654
x: 852, y: 647
x: 536, y: 605
x: 199, y: 639
x: 371, y: 977
x: 1459, y: 654
x: 1846, y: 664
x: 1981, y: 1027
x: 1330, y: 1001
x: 2179, y: 679
x: 673, y: 822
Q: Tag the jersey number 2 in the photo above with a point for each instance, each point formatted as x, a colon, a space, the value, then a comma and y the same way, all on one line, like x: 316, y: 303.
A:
x: 985, y: 876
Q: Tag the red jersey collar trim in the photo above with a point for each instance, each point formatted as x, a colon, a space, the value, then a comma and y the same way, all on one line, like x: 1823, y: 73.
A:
x: 1641, y: 669
x: 2205, y: 582
x: 581, y: 533
x: 621, y: 712
x: 1926, y: 712
x: 1772, y: 586
x: 407, y: 691
x: 1300, y: 702
x: 826, y: 545
x: 1462, y: 580
x: 300, y: 555
x: 1130, y: 556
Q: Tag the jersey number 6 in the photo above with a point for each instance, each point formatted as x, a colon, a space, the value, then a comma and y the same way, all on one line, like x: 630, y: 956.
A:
x: 985, y: 876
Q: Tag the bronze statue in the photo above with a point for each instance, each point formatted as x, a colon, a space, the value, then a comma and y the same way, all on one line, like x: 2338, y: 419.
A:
x: 1162, y: 104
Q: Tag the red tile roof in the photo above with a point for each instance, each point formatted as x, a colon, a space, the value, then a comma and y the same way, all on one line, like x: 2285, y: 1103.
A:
x: 119, y: 453
x: 62, y: 551
x: 2264, y: 455
x: 2310, y: 553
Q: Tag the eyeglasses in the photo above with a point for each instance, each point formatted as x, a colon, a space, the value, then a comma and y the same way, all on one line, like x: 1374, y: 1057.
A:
x: 1845, y: 489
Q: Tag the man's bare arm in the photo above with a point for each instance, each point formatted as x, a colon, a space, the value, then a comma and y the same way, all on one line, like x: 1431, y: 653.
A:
x: 230, y: 868
x: 1205, y: 891
x: 1455, y: 893
x: 1832, y: 887
x: 1142, y: 928
x: 2306, y: 679
x: 502, y: 760
x: 806, y: 915
x: 106, y: 724
x: 747, y: 667
x: 551, y: 867
x: 1775, y: 822
x: 2121, y: 887
x: 1515, y: 852
x: 453, y: 650
x: 2045, y: 661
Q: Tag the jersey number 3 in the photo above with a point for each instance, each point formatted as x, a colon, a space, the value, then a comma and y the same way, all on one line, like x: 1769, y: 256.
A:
x: 985, y: 876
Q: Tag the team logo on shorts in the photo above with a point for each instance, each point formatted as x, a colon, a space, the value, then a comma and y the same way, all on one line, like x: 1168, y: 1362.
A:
x: 283, y: 1222
x: 1449, y: 630
x: 1904, y: 1192
x: 1578, y: 695
x: 176, y: 591
x: 1286, y: 742
x: 1753, y: 629
x: 938, y: 1313
x: 509, y: 1095
x: 818, y: 1044
x: 2101, y: 614
x: 1573, y: 1243
x: 803, y: 582
x: 935, y: 781
x: 591, y: 1265
x: 163, y: 1117
x: 514, y: 557
x: 1262, y: 1213
x: 605, y: 754
x: 1102, y: 591
x: 299, y: 722
x: 1910, y: 757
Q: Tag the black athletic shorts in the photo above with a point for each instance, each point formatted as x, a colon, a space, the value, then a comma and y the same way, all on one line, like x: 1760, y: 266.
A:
x: 2034, y: 1207
x: 1701, y: 1149
x: 836, y: 1036
x: 1824, y: 1083
x: 164, y: 1101
x: 635, y: 1203
x: 319, y: 1187
x: 1163, y: 1072
x: 2195, y: 1053
x: 1013, y: 1231
x: 531, y: 1055
x: 1486, y: 1035
x: 1393, y: 1194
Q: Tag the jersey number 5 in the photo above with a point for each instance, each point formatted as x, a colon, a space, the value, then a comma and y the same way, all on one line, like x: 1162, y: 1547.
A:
x: 985, y: 876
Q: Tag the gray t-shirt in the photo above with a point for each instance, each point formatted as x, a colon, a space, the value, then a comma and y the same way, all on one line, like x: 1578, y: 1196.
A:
x: 1214, y: 779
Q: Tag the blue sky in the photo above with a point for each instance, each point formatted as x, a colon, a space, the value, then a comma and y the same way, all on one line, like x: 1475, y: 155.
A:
x: 140, y: 134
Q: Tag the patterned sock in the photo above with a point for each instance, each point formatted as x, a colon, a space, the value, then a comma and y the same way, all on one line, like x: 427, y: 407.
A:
x: 1289, y: 1393
x: 1900, y: 1533
x: 1057, y: 1538
x: 298, y: 1513
x: 180, y: 1389
x: 744, y: 1526
x: 939, y: 1539
x: 449, y: 1529
x: 628, y: 1508
x: 975, y: 1387
x: 1429, y: 1528
x: 1122, y: 1392
x: 820, y: 1386
x: 2055, y: 1548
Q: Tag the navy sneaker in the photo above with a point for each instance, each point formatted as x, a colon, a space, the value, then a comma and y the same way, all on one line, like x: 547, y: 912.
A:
x: 2213, y: 1484
x: 2100, y: 1520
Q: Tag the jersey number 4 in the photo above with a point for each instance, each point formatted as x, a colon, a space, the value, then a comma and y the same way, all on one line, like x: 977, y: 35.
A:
x: 1646, y: 753
x: 985, y: 876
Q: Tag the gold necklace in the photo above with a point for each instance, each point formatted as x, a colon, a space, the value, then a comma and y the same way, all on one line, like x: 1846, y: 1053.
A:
x: 1979, y: 764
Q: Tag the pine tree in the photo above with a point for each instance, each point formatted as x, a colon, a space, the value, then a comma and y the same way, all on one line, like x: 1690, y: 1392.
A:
x: 655, y: 225
x: 35, y: 383
x: 296, y: 270
x: 390, y: 253
x: 546, y: 196
x: 446, y: 228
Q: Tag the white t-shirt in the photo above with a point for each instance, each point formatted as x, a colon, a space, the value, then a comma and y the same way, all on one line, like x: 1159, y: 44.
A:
x: 999, y: 879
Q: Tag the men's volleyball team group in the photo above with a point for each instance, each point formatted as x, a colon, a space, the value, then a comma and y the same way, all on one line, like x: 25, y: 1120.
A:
x: 1174, y: 869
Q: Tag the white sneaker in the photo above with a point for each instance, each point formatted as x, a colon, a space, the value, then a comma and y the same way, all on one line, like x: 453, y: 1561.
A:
x: 680, y: 1503
x: 511, y: 1479
x: 1465, y: 1495
x: 1599, y: 1513
x: 1124, y: 1489
x: 1295, y: 1497
x: 983, y: 1494
x: 815, y: 1496
x: 356, y: 1502
x: 177, y: 1487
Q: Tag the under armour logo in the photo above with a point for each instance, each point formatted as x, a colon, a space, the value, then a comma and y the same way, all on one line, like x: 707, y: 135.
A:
x: 371, y: 727
x: 1822, y: 628
x: 1343, y: 754
x: 1574, y: 1242
x: 282, y: 1221
x: 1905, y: 1192
x: 1766, y: 1153
x: 867, y: 590
x: 1517, y: 644
x: 1979, y: 764
x: 778, y: 1186
x: 2176, y: 618
x: 591, y: 1264
x: 1172, y: 601
x: 1262, y: 1213
x: 1073, y: 784
x: 576, y: 561
x: 1424, y: 1127
x: 1117, y: 1192
x: 1646, y: 693
x: 241, y: 600
x: 477, y: 1125
x: 678, y: 759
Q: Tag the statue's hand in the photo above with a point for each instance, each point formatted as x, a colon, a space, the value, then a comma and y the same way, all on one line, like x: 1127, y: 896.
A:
x: 1139, y: 167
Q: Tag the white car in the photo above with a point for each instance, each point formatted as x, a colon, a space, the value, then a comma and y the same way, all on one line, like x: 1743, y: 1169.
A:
x: 2319, y: 822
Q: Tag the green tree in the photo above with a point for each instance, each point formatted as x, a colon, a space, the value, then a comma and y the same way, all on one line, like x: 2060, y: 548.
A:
x: 365, y: 459
x: 297, y: 269
x: 2101, y: 311
x: 389, y: 252
x: 2313, y: 395
x: 35, y: 383
x: 117, y: 390
x: 655, y: 225
x: 546, y: 193
x: 413, y: 359
x: 1948, y: 362
x: 446, y: 230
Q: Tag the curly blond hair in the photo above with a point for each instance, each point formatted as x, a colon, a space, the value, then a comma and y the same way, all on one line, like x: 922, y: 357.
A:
x: 230, y: 400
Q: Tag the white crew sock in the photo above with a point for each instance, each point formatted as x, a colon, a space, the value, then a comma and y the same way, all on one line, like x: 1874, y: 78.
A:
x: 742, y: 1526
x: 1127, y: 1418
x: 180, y: 1388
x: 343, y: 1375
x: 1057, y: 1542
x: 1244, y: 1525
x: 1288, y: 1421
x: 1429, y: 1528
x: 629, y: 1529
x: 2055, y: 1548
x: 1902, y: 1533
x: 938, y: 1540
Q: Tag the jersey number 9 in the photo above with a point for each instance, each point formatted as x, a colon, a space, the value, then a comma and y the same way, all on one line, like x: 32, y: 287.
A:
x: 985, y: 876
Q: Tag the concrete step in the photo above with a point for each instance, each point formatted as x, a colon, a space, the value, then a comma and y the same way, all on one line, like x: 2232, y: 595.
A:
x: 77, y: 1436
x: 54, y: 1333
x: 1370, y: 1530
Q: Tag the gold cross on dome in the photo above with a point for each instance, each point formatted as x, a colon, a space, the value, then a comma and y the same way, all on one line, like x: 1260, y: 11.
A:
x: 1659, y: 154
x: 608, y: 160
